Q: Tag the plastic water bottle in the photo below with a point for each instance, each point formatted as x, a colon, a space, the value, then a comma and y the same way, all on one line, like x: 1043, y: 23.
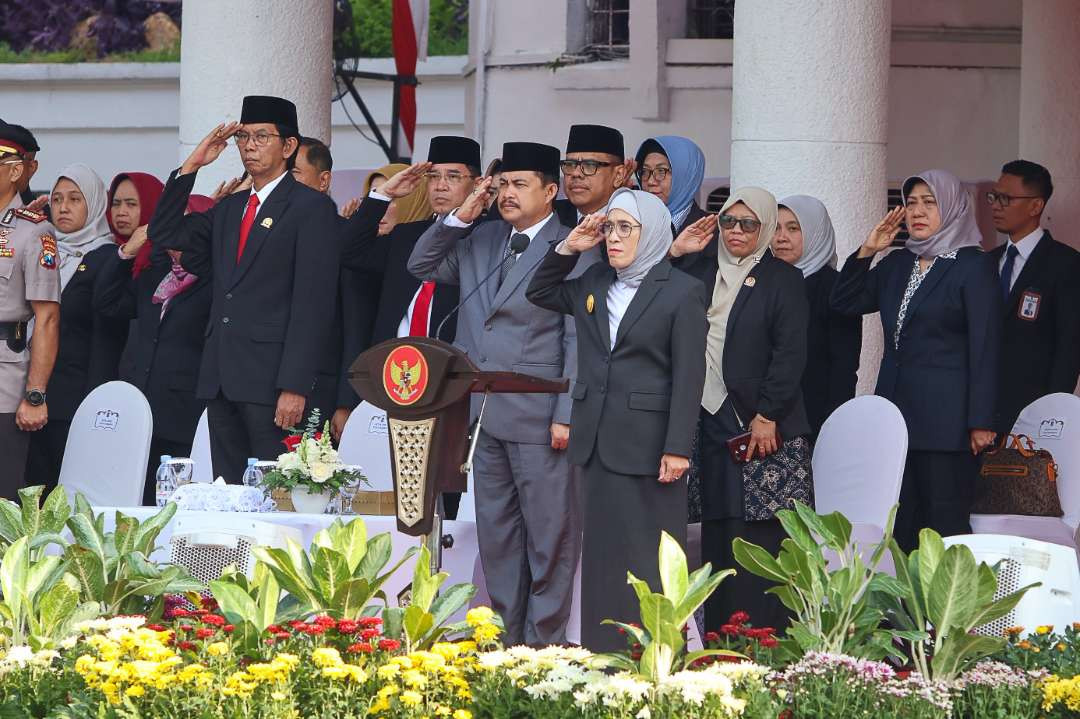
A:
x: 166, y: 482
x: 252, y: 475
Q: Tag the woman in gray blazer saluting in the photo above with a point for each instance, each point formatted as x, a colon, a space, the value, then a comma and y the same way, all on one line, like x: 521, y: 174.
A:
x: 641, y: 347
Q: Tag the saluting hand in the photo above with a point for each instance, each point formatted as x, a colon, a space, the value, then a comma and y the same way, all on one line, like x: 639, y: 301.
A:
x: 38, y: 204
x: 349, y: 208
x: 404, y: 182
x: 586, y: 235
x: 135, y: 242
x: 672, y: 466
x: 694, y: 237
x: 883, y: 234
x: 475, y: 203
x: 210, y: 148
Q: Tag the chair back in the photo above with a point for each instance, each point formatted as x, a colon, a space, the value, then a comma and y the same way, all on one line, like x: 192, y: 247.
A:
x: 859, y: 460
x: 108, y: 447
x: 200, y: 452
x: 1053, y: 423
x: 365, y: 442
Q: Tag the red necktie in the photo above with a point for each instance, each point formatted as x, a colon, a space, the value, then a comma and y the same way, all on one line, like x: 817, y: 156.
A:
x: 246, y: 223
x: 418, y: 326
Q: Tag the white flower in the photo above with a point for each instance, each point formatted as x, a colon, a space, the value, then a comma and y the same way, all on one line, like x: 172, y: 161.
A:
x: 69, y: 642
x: 19, y: 655
x: 321, y: 471
x: 290, y: 462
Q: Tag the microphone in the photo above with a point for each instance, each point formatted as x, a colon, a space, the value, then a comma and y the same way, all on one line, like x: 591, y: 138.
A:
x: 519, y: 242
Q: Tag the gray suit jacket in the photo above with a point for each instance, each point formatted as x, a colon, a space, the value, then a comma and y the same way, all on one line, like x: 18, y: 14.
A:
x: 498, y: 328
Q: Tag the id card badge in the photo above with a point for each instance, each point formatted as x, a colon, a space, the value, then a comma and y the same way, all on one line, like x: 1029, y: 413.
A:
x: 1029, y: 306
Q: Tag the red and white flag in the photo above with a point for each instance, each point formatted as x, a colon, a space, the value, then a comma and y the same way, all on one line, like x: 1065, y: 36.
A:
x: 410, y: 33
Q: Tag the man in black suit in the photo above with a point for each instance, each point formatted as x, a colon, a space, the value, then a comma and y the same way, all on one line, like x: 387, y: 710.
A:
x: 1040, y: 286
x: 594, y: 167
x: 275, y: 258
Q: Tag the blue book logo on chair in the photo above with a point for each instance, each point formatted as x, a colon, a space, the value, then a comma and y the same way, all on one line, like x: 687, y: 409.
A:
x: 106, y: 419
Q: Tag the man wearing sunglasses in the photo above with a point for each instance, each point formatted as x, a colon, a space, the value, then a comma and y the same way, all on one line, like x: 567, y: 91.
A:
x: 594, y: 167
x: 1040, y: 286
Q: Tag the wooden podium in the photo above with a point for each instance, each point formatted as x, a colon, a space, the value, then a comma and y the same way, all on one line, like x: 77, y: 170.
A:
x: 425, y: 386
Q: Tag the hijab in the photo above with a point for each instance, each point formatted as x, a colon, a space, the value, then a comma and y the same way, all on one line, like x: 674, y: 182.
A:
x: 149, y: 190
x: 411, y: 208
x: 687, y: 171
x: 958, y: 228
x: 655, y: 239
x: 819, y: 238
x: 730, y: 277
x: 73, y: 246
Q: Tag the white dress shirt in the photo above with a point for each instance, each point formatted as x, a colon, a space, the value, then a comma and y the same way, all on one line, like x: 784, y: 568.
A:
x: 267, y: 188
x: 1024, y: 248
x: 453, y: 221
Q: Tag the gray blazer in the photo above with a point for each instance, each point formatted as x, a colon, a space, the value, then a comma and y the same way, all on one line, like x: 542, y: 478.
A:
x: 498, y: 328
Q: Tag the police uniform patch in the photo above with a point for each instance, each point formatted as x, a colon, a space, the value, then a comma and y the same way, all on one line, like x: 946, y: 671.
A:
x: 47, y: 258
x: 26, y: 214
x: 8, y: 217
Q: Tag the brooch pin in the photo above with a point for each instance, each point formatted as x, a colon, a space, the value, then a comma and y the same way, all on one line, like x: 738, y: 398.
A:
x: 750, y: 282
x: 267, y: 222
x: 82, y: 268
x: 590, y: 304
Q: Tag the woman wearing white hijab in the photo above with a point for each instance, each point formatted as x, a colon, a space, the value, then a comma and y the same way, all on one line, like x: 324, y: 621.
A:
x: 641, y: 343
x: 833, y: 340
x: 941, y: 314
x: 90, y: 344
x: 755, y: 356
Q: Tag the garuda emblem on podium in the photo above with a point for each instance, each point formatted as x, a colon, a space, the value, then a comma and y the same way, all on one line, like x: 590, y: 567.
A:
x: 405, y: 375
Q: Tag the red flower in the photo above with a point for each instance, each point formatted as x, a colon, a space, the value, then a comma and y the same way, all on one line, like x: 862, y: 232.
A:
x: 324, y: 621
x: 187, y: 646
x: 186, y: 627
x: 730, y: 630
x: 228, y: 628
x: 296, y: 624
x: 269, y: 641
x: 292, y: 442
x: 360, y: 648
x: 389, y: 645
x: 214, y: 619
x: 369, y: 634
x: 178, y: 613
x: 347, y: 626
x: 313, y: 629
x: 369, y: 622
x: 282, y: 635
x: 739, y: 617
x: 712, y: 637
x: 770, y: 643
x: 274, y: 629
x: 204, y: 633
x: 155, y: 627
x: 209, y: 603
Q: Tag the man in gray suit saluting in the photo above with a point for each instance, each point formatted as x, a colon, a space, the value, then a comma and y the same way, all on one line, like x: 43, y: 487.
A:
x: 528, y: 521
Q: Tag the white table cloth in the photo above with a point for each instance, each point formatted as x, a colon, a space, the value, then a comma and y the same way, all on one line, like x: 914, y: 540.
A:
x: 459, y: 561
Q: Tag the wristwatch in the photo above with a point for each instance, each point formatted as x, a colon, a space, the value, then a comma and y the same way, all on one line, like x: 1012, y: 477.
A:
x: 35, y: 397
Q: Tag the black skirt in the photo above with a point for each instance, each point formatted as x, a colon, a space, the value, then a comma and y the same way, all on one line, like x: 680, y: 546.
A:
x: 624, y: 516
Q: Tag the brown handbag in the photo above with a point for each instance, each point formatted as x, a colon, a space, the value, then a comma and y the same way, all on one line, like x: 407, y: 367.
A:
x: 1018, y: 479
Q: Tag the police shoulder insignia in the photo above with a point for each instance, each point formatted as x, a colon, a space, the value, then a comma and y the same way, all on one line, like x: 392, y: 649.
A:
x: 26, y: 214
x: 47, y: 258
x: 590, y: 304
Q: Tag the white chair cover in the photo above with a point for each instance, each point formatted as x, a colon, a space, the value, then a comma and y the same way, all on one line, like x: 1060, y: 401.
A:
x: 1053, y: 423
x: 1025, y: 561
x: 200, y: 452
x: 108, y: 446
x: 365, y: 442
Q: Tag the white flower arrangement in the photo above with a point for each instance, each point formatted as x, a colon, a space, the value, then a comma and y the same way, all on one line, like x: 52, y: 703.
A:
x: 311, y: 463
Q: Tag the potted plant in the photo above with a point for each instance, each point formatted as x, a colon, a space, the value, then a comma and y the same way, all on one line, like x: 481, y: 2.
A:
x: 312, y: 471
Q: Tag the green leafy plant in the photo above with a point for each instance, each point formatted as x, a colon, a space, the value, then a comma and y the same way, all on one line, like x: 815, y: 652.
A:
x: 41, y: 523
x: 252, y: 606
x: 424, y: 621
x: 342, y: 573
x: 113, y: 569
x: 664, y: 614
x: 41, y: 599
x: 949, y: 591
x: 836, y: 611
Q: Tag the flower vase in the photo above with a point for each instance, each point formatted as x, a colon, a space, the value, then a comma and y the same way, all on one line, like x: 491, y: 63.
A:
x: 307, y: 502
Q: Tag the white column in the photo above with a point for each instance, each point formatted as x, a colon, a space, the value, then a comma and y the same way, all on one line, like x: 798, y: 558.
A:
x: 232, y: 48
x: 809, y: 114
x: 1050, y: 104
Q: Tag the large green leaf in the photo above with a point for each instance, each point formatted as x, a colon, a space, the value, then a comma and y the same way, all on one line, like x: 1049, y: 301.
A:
x: 951, y: 599
x: 236, y: 604
x: 986, y: 613
x: 14, y: 569
x: 45, y: 538
x: 55, y: 511
x: 930, y: 553
x: 424, y: 584
x: 58, y: 604
x: 269, y: 598
x: 30, y: 504
x: 124, y: 534
x: 697, y: 594
x: 375, y: 557
x: 86, y: 535
x: 839, y: 530
x: 961, y: 650
x: 88, y: 570
x: 658, y: 618
x: 352, y: 597
x: 351, y: 541
x: 42, y: 575
x: 912, y: 590
x: 10, y: 521
x: 757, y: 560
x: 141, y: 566
x: 797, y: 530
x: 280, y: 564
x: 147, y: 533
x: 450, y: 601
x: 329, y: 570
x: 673, y: 571
x: 417, y: 623
x: 393, y: 618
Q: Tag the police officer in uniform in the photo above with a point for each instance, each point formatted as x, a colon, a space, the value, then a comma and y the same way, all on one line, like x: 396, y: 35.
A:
x: 29, y: 288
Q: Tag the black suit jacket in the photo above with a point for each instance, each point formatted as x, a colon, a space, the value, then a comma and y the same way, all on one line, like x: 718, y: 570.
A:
x: 640, y: 400
x: 943, y: 377
x: 765, y: 346
x: 1040, y: 354
x: 833, y: 342
x: 389, y: 255
x: 566, y: 212
x: 165, y: 351
x: 272, y: 312
x: 90, y: 344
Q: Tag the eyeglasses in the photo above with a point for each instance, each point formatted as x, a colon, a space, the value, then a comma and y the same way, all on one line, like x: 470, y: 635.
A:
x: 1002, y: 200
x: 659, y: 174
x: 452, y: 178
x: 587, y: 167
x: 748, y: 224
x: 262, y: 139
x: 623, y: 229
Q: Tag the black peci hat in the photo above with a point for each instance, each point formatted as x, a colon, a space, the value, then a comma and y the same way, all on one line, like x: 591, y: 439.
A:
x: 530, y: 156
x: 595, y: 138
x: 274, y: 110
x: 454, y: 149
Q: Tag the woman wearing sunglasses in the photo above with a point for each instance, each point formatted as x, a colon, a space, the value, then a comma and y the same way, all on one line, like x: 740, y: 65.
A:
x: 641, y: 341
x: 940, y: 307
x: 755, y: 356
